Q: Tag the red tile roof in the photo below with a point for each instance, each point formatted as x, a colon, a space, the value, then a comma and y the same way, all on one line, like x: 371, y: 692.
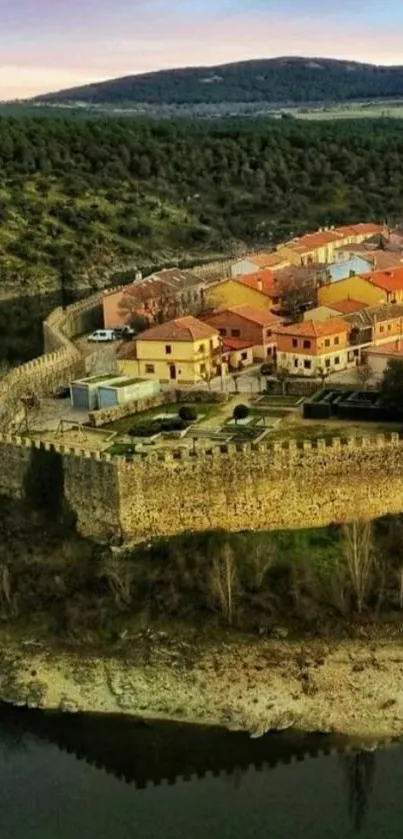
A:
x: 315, y: 328
x: 347, y: 305
x: 181, y: 329
x: 236, y: 344
x: 262, y: 281
x: 390, y: 279
x: 393, y: 348
x: 253, y: 314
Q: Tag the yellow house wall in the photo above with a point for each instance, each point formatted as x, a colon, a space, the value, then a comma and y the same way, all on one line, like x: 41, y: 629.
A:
x: 355, y: 288
x: 232, y: 293
x: 188, y: 358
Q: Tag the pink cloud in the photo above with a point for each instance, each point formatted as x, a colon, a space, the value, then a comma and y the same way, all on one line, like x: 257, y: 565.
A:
x: 88, y: 54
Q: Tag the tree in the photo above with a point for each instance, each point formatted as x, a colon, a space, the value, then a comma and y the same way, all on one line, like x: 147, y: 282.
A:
x: 297, y: 294
x: 323, y: 374
x: 240, y: 412
x: 364, y: 374
x: 392, y: 384
x: 224, y: 581
x: 282, y: 375
x: 359, y: 554
x: 188, y: 413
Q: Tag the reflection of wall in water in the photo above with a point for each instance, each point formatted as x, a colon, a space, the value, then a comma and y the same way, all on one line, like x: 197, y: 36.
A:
x: 144, y: 754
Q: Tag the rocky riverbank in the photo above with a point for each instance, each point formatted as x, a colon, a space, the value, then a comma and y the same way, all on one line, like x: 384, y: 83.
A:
x: 349, y: 687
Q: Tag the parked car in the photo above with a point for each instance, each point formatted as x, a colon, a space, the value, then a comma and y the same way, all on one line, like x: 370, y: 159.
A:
x: 62, y: 392
x: 102, y: 335
x: 124, y: 332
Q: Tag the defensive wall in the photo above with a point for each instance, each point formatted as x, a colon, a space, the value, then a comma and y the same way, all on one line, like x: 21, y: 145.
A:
x: 234, y: 486
x: 61, y: 360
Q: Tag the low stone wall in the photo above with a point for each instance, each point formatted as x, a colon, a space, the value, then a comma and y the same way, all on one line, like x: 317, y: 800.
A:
x: 307, y: 387
x: 60, y: 363
x: 105, y: 416
x: 259, y: 486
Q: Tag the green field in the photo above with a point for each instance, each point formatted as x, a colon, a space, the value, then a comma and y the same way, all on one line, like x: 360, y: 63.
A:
x: 355, y: 110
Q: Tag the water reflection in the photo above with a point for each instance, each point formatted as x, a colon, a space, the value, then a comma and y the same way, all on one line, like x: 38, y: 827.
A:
x: 105, y: 777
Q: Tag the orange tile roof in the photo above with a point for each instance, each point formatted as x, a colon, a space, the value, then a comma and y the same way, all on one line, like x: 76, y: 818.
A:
x: 255, y: 315
x: 262, y: 281
x: 393, y: 348
x: 347, y: 305
x: 361, y: 229
x: 180, y: 329
x: 315, y: 328
x: 390, y: 279
x: 311, y: 241
x: 236, y: 344
x: 266, y: 260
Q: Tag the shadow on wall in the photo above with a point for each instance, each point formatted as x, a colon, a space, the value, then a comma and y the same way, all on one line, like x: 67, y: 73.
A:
x: 44, y: 489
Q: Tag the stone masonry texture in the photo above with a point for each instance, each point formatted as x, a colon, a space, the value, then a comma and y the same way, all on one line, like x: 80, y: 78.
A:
x: 248, y: 487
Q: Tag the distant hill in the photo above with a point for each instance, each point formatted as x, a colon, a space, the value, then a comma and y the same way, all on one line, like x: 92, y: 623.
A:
x: 277, y: 81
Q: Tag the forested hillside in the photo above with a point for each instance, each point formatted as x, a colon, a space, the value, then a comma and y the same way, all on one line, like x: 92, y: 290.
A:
x: 80, y: 199
x: 276, y: 80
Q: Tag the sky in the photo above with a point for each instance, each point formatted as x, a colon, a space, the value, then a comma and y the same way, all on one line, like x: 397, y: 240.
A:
x: 48, y: 45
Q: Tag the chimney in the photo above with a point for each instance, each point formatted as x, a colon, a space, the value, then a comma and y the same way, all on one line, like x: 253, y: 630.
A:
x: 259, y: 284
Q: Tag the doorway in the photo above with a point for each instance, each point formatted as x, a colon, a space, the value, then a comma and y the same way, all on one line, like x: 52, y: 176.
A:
x: 172, y: 371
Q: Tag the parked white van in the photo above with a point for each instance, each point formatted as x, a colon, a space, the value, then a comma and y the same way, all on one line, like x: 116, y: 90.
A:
x: 102, y: 335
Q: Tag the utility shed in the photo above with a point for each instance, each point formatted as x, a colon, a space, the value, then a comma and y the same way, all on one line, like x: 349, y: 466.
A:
x: 126, y: 390
x: 84, y: 392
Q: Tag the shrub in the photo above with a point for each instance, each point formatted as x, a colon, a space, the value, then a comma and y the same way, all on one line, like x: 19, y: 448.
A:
x: 187, y: 413
x: 240, y: 412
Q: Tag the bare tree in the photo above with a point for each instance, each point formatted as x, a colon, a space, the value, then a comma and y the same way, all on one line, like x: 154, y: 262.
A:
x: 359, y: 554
x: 364, y: 374
x: 297, y: 294
x: 118, y: 573
x: 224, y: 581
x: 323, y: 374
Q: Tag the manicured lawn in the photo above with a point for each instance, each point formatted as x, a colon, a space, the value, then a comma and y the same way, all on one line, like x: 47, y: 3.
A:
x: 127, y: 424
x: 285, y: 401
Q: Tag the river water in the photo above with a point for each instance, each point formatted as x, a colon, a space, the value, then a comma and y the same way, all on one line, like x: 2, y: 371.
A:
x: 67, y: 777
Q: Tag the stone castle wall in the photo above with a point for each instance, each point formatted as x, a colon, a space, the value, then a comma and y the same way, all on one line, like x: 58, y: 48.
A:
x: 60, y: 362
x: 233, y: 487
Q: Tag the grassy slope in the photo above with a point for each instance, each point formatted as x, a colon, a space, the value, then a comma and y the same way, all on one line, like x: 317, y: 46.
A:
x: 28, y: 241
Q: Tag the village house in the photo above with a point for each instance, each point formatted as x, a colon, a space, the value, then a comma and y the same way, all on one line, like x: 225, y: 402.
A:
x: 357, y: 288
x: 389, y: 281
x: 155, y: 298
x: 377, y: 357
x: 320, y: 247
x: 257, y: 290
x: 376, y: 325
x: 310, y: 347
x: 182, y: 351
x: 253, y: 327
x: 256, y: 262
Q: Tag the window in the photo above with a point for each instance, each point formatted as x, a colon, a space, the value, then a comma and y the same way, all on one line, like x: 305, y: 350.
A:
x: 327, y: 342
x: 202, y: 368
x: 269, y: 350
x: 244, y: 356
x: 295, y: 362
x: 150, y: 368
x: 389, y: 327
x: 381, y: 328
x: 294, y: 342
x: 327, y: 362
x: 337, y: 340
x: 307, y: 345
x: 307, y: 364
x: 222, y: 332
x: 201, y: 348
x: 235, y: 333
x: 337, y: 360
x: 356, y: 352
x: 168, y: 349
x: 268, y: 333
